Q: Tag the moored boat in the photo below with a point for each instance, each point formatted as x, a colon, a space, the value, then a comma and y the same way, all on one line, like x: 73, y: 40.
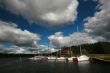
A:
x: 83, y: 58
x: 36, y: 58
x: 62, y: 59
x: 51, y: 58
x: 72, y: 59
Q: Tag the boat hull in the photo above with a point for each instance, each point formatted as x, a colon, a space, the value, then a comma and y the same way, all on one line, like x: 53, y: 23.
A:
x: 83, y: 58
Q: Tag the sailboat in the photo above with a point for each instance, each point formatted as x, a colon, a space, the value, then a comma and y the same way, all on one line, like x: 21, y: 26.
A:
x: 71, y: 58
x: 62, y: 59
x: 82, y: 57
x: 51, y: 58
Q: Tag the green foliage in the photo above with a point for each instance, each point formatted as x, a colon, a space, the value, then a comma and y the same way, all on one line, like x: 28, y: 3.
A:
x: 99, y: 48
x: 96, y: 48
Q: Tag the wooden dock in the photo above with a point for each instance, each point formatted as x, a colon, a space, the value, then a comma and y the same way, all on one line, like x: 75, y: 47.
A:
x: 100, y: 60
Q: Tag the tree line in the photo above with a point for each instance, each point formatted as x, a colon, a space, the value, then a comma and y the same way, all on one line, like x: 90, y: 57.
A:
x: 94, y: 48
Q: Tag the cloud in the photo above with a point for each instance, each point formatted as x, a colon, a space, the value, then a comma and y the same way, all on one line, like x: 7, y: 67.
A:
x: 51, y: 12
x: 1, y: 48
x: 77, y: 38
x: 15, y: 49
x: 11, y: 34
x: 40, y: 49
x: 100, y: 38
x: 18, y: 50
x: 99, y: 24
x: 90, y: 0
x: 46, y: 49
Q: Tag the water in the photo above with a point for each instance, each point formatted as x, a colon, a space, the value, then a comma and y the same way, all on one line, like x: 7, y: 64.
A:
x: 17, y: 65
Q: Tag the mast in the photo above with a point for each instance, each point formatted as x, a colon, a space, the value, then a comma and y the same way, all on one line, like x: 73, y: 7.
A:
x: 60, y: 51
x: 60, y: 45
x: 80, y: 44
x: 70, y: 52
x: 69, y: 47
x: 50, y: 48
x: 80, y: 50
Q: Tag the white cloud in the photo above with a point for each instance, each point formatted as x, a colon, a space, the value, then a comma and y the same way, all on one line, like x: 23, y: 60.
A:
x: 40, y: 49
x: 90, y: 0
x: 53, y: 12
x: 1, y: 48
x: 58, y: 39
x: 15, y: 49
x: 100, y: 38
x: 18, y: 50
x: 46, y: 49
x: 99, y: 24
x: 10, y: 33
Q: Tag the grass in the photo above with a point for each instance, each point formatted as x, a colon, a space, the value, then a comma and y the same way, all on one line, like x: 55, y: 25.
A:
x: 101, y: 56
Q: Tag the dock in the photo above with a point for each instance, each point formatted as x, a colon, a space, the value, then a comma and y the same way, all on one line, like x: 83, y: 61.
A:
x: 93, y: 59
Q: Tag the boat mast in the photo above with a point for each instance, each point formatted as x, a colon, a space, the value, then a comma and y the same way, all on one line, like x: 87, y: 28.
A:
x: 60, y: 47
x: 80, y: 50
x: 70, y: 51
x: 60, y: 50
x: 50, y: 48
x: 80, y: 44
x: 69, y: 47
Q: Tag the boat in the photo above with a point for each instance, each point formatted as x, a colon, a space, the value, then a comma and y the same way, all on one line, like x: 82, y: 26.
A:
x: 72, y: 59
x: 36, y: 58
x: 51, y: 58
x: 62, y: 59
x: 83, y: 58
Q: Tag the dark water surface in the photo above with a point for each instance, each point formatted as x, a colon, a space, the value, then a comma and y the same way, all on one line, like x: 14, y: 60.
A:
x: 17, y: 65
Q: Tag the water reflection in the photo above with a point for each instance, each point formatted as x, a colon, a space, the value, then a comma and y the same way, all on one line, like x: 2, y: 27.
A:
x: 84, y: 66
x: 30, y: 66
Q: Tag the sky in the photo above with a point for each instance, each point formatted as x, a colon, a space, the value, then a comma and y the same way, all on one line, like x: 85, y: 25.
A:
x: 30, y: 26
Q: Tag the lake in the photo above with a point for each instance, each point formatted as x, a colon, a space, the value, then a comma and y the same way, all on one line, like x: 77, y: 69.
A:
x: 24, y: 65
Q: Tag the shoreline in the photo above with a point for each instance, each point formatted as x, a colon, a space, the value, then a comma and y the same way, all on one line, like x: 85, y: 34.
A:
x: 99, y: 58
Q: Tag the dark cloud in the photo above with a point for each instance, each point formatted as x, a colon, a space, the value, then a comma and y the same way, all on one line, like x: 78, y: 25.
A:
x: 99, y: 24
x: 52, y: 12
x: 11, y: 34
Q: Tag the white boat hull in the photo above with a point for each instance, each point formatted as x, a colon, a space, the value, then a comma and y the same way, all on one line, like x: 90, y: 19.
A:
x: 36, y: 58
x: 83, y: 58
x: 52, y: 58
x: 71, y: 59
x: 62, y: 59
